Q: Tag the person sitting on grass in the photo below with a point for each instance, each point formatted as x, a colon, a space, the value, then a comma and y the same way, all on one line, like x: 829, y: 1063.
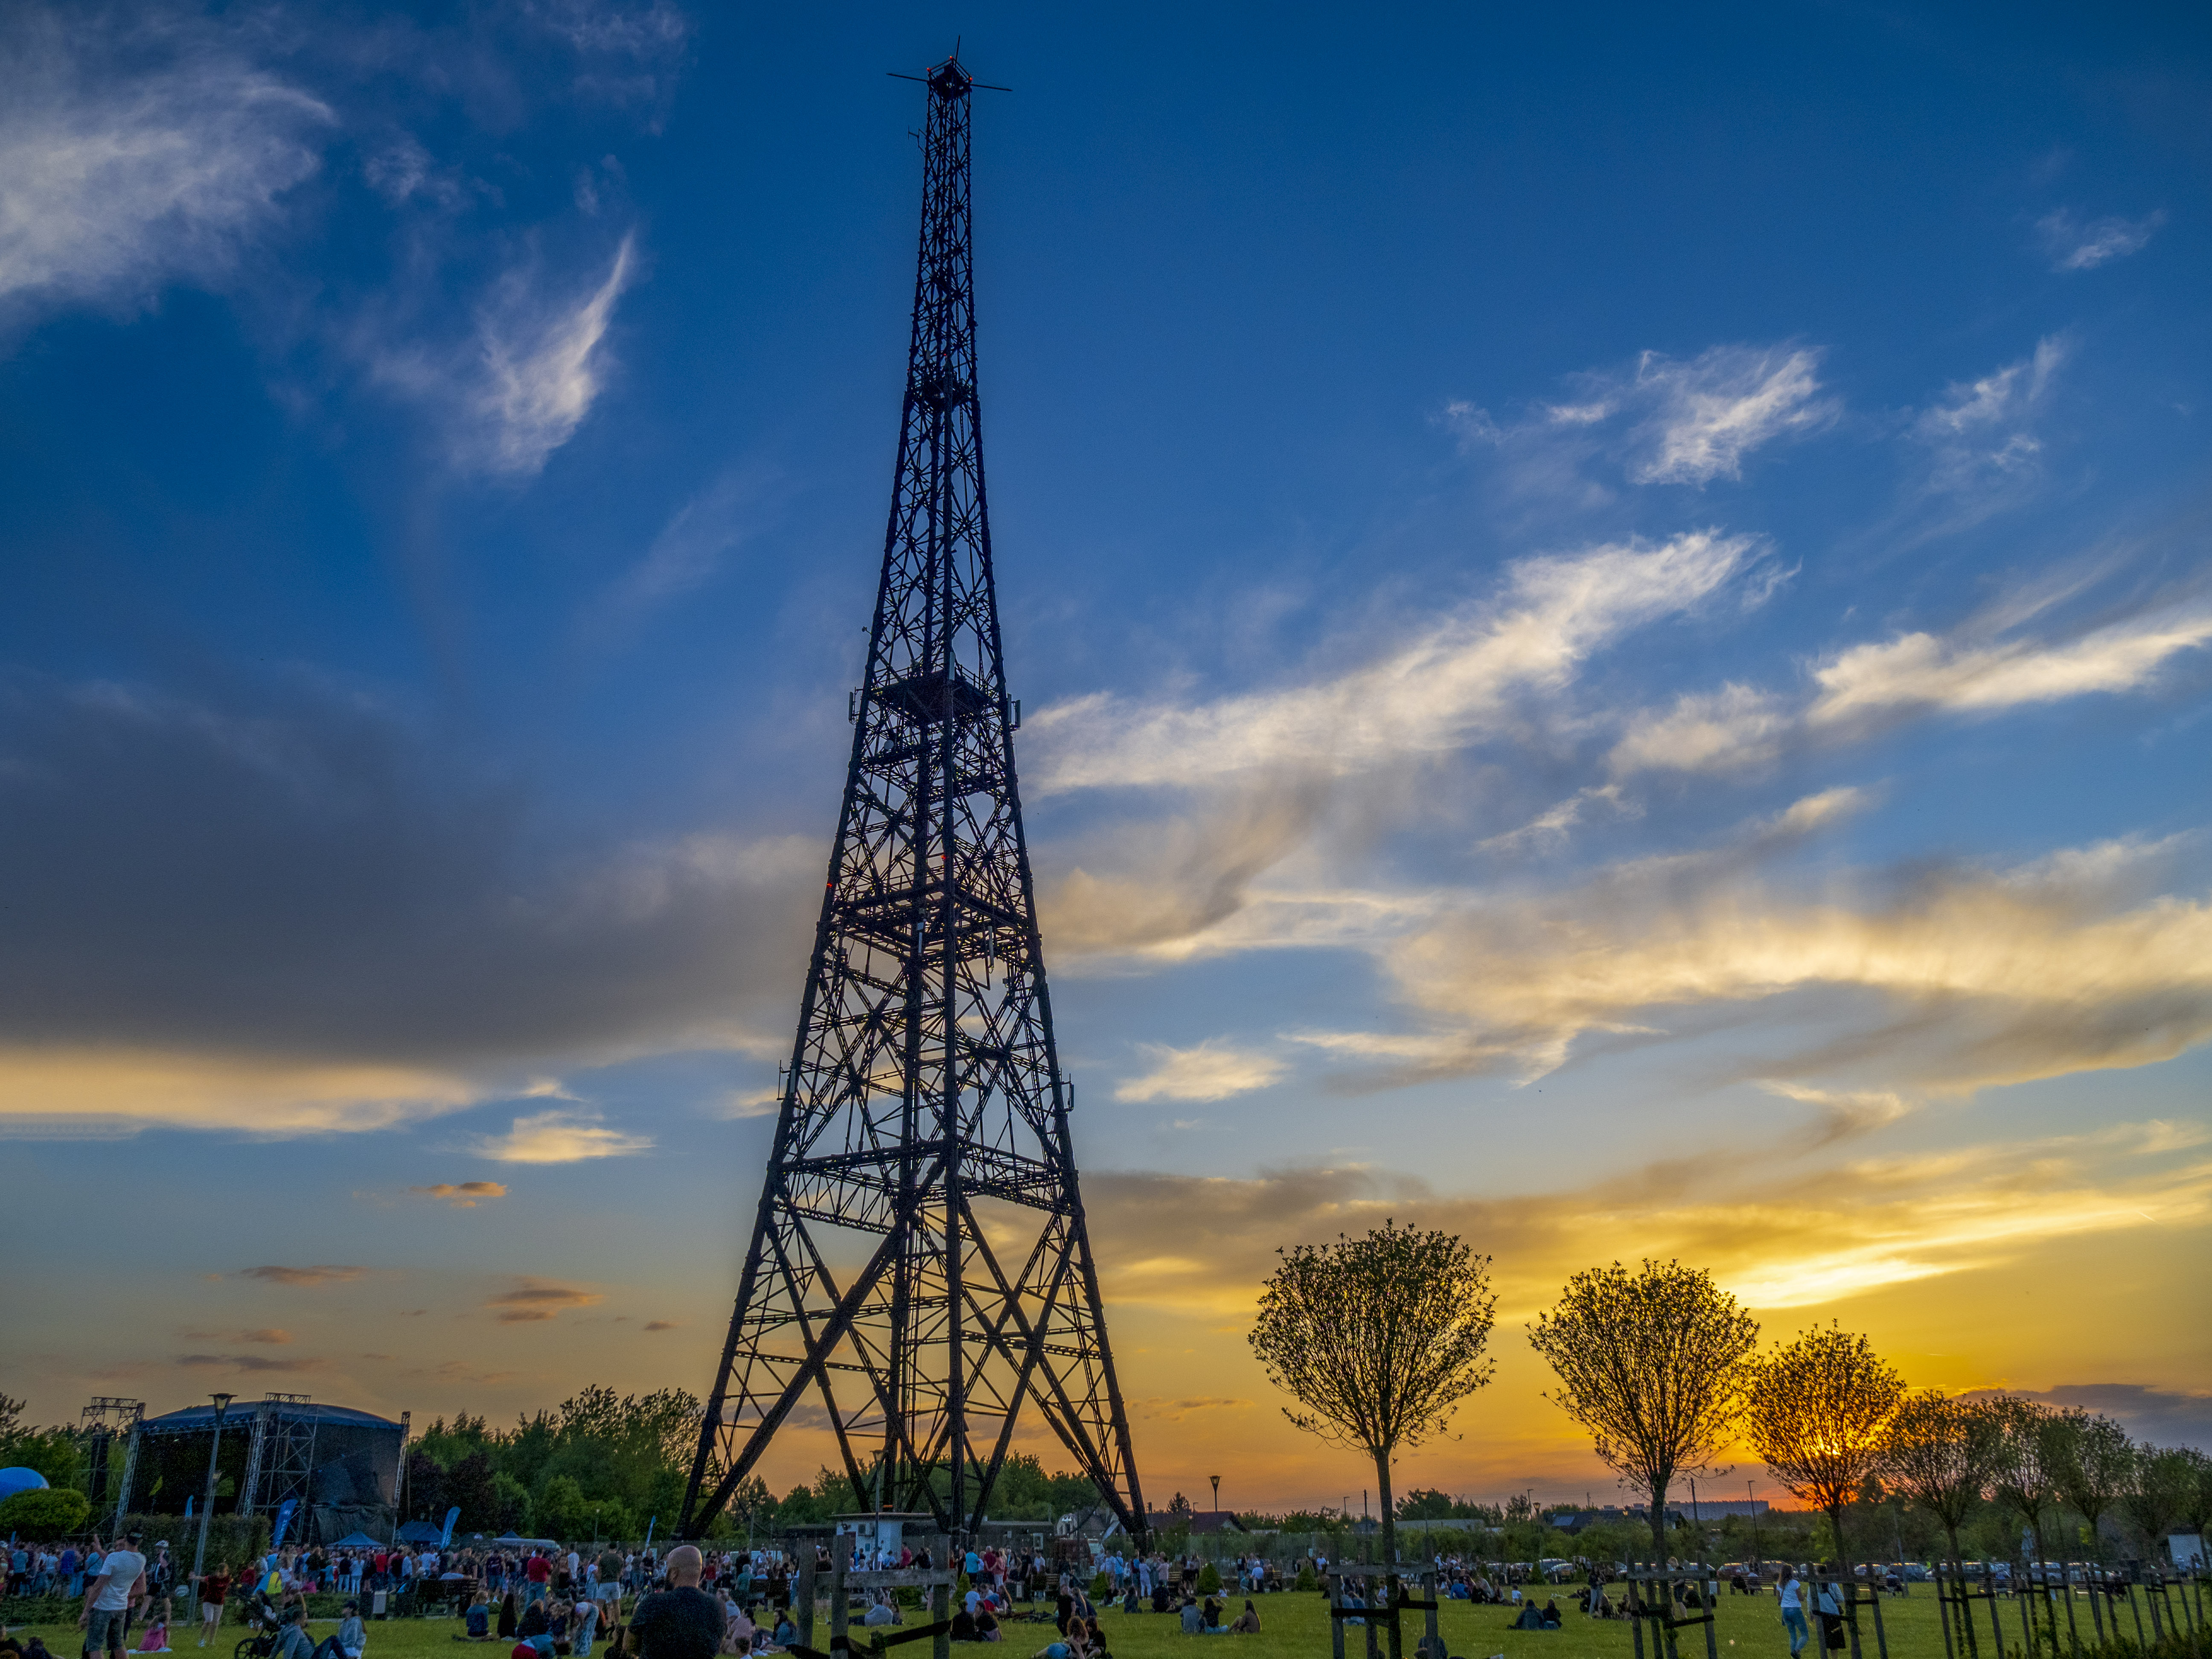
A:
x: 293, y: 1641
x: 155, y: 1636
x: 478, y: 1617
x: 353, y: 1635
x: 1528, y: 1617
x: 1211, y: 1613
x: 1193, y: 1621
x: 536, y: 1623
x: 1248, y: 1622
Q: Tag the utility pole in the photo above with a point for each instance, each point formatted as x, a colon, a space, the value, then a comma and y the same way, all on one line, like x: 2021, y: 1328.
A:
x: 207, y: 1498
x: 921, y: 1259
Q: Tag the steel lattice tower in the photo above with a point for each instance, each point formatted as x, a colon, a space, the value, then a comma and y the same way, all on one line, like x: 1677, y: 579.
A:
x: 920, y: 1259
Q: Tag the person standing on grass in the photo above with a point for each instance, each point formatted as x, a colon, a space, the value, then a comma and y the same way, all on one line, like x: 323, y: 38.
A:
x: 214, y: 1588
x: 1793, y: 1612
x: 682, y: 1621
x: 608, y: 1591
x: 107, y: 1600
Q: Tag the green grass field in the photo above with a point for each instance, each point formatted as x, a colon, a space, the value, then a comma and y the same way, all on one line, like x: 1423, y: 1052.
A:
x: 1297, y: 1624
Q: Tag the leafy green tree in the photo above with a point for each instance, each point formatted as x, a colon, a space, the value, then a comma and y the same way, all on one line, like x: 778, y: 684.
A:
x: 46, y: 1513
x: 2028, y: 1443
x: 2160, y: 1491
x: 1653, y: 1364
x: 562, y: 1511
x: 1380, y: 1338
x: 2091, y: 1462
x: 426, y: 1485
x: 1816, y: 1411
x: 512, y: 1509
x: 2196, y: 1498
x: 1940, y: 1451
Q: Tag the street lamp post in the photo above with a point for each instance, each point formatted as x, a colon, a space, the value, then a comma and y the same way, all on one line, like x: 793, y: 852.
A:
x: 1759, y: 1560
x: 207, y: 1499
x: 1217, y: 1492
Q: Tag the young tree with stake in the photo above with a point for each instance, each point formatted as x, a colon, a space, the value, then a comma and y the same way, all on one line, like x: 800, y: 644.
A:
x: 1379, y: 1338
x: 1939, y: 1452
x: 2091, y: 1461
x: 1817, y: 1411
x: 1652, y: 1363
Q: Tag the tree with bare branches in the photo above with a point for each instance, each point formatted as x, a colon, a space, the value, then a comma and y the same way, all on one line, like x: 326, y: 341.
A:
x: 1652, y: 1363
x: 1817, y: 1411
x: 1380, y: 1338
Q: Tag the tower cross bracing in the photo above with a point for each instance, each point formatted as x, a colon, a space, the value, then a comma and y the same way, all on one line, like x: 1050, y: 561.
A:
x: 919, y: 1271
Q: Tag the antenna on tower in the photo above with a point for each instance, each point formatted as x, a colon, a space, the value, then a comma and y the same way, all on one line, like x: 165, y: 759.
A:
x: 921, y: 1261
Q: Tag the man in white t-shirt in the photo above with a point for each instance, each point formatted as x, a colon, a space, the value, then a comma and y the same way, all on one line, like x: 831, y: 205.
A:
x: 107, y: 1599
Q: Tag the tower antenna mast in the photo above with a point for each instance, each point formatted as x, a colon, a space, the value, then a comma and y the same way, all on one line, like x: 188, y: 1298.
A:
x: 920, y: 1266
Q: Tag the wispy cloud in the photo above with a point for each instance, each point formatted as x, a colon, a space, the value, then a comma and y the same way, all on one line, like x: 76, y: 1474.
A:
x: 2076, y: 243
x: 312, y: 1278
x: 1209, y: 1070
x: 544, y: 367
x: 1780, y: 1230
x: 135, y: 155
x: 521, y: 387
x: 1425, y: 697
x: 250, y: 1362
x: 64, y: 1091
x: 462, y: 1195
x: 692, y: 547
x: 1549, y: 828
x: 561, y: 1137
x: 1713, y: 410
x: 1942, y: 981
x: 1981, y: 435
x: 1664, y: 420
x: 536, y: 1300
x: 1978, y: 669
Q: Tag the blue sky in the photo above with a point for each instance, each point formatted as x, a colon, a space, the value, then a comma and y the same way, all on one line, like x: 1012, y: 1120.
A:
x: 1614, y: 613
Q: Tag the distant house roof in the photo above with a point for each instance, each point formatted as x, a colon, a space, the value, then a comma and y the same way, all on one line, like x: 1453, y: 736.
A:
x: 1198, y: 1522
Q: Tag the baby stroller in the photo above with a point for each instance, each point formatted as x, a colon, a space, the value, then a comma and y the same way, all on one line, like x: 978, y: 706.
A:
x: 261, y: 1631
